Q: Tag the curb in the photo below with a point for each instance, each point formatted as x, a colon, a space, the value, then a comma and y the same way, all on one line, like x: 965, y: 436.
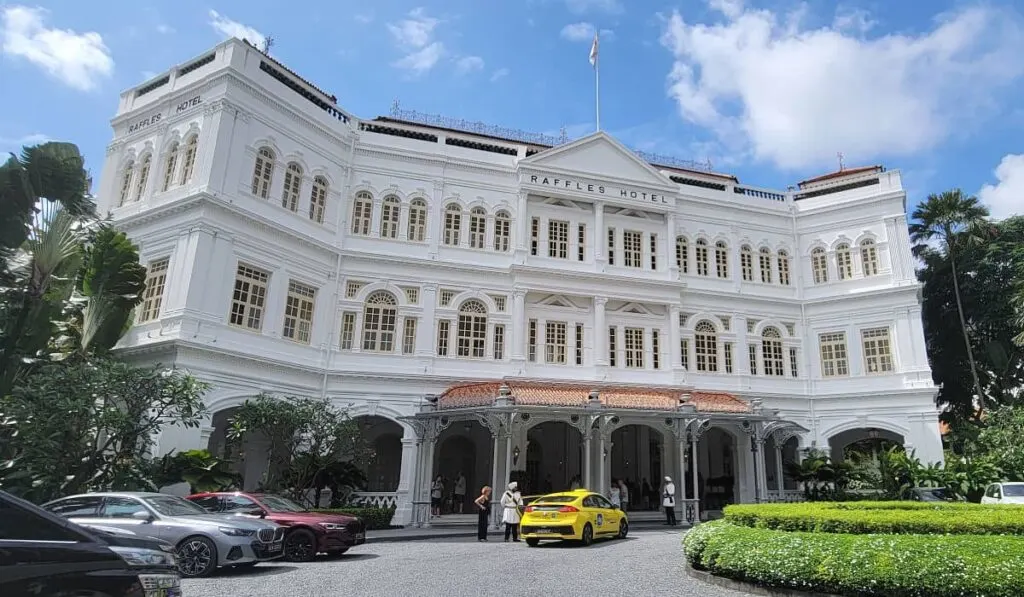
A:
x: 470, y: 533
x: 746, y: 587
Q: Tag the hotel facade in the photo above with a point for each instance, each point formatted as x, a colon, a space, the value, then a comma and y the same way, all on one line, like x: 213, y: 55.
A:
x: 505, y: 305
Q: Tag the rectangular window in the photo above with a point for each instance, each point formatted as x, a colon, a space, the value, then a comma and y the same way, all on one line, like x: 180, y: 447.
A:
x: 793, y: 371
x: 634, y: 348
x: 558, y: 239
x: 684, y: 354
x: 412, y: 295
x: 298, y: 312
x: 771, y: 357
x: 579, y: 343
x: 877, y: 351
x: 446, y: 297
x: 727, y: 349
x: 471, y: 336
x: 532, y: 341
x: 499, y: 302
x: 409, y: 336
x: 152, y: 298
x: 682, y: 259
x: 352, y: 288
x: 534, y: 235
x: 753, y: 359
x: 611, y: 246
x: 832, y: 347
x: 499, y: 342
x: 443, y: 329
x: 655, y: 349
x: 554, y: 342
x: 747, y: 265
x: 581, y: 242
x: 631, y: 248
x: 613, y: 348
x: 348, y: 329
x: 766, y: 266
x: 250, y: 294
x: 502, y: 233
x: 783, y: 269
x: 701, y: 253
x: 654, y: 251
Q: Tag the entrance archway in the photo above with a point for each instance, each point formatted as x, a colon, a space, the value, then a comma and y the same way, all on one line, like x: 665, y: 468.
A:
x: 249, y: 457
x: 464, y: 448
x: 718, y: 470
x: 867, y: 442
x: 636, y: 458
x: 383, y: 468
x: 554, y: 458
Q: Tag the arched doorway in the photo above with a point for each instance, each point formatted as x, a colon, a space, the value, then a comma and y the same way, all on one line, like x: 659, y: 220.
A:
x: 862, y: 443
x: 463, y: 449
x: 249, y: 457
x: 718, y: 470
x: 636, y: 458
x: 383, y: 437
x: 554, y: 458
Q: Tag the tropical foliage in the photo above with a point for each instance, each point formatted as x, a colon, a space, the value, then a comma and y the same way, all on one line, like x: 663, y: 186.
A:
x: 200, y: 469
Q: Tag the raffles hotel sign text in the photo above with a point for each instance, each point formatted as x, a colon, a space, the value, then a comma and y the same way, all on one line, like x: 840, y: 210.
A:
x: 599, y: 189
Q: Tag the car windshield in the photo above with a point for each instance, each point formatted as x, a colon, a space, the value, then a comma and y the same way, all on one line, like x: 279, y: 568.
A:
x: 170, y: 505
x: 280, y: 504
x: 941, y: 493
x: 1013, y: 490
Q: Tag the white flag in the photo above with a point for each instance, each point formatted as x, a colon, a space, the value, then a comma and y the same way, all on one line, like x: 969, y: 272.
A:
x: 593, y: 52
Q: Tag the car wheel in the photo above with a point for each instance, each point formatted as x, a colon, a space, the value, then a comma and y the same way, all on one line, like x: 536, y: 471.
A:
x: 588, y: 534
x: 623, y: 529
x: 533, y: 542
x: 197, y: 557
x: 299, y: 546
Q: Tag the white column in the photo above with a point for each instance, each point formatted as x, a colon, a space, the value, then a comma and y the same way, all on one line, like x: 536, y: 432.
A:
x: 427, y: 472
x: 522, y: 226
x: 405, y: 497
x: 670, y: 247
x: 600, y: 332
x: 496, y: 488
x: 588, y: 471
x: 681, y: 479
x: 695, y: 472
x: 435, y: 217
x: 427, y: 327
x: 779, y: 473
x: 674, y: 339
x: 518, y: 329
x: 600, y: 234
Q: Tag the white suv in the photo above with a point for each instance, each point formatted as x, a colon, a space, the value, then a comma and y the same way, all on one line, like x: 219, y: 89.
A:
x: 1004, y: 493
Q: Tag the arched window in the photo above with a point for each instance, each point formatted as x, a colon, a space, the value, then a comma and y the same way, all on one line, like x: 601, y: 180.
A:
x: 869, y: 257
x: 126, y: 183
x: 682, y: 255
x: 140, y: 186
x: 502, y: 231
x: 784, y: 268
x: 418, y: 220
x: 390, y: 214
x: 379, y: 318
x: 452, y: 224
x: 318, y: 200
x: 702, y: 257
x: 472, y: 333
x: 706, y: 346
x: 169, y: 165
x: 191, y: 145
x: 362, y: 213
x: 722, y: 259
x: 819, y: 265
x: 263, y: 173
x: 771, y: 352
x: 292, y: 187
x: 844, y: 262
x: 765, y: 257
x: 747, y: 263
x: 477, y: 227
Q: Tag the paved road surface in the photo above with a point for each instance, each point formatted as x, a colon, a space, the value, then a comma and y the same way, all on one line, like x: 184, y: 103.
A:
x: 648, y: 563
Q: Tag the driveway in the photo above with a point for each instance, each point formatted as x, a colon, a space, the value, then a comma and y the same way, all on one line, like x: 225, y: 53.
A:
x: 648, y: 563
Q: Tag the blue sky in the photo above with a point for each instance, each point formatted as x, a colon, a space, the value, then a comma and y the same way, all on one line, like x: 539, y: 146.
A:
x: 769, y: 91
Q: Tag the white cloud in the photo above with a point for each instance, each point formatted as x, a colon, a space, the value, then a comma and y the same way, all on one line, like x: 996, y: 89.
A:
x: 794, y: 95
x: 421, y: 61
x: 1006, y: 198
x: 855, y: 20
x: 415, y: 36
x: 584, y: 32
x: 584, y: 6
x: 468, y: 64
x: 76, y: 59
x: 14, y: 145
x: 164, y: 29
x: 229, y: 28
x: 501, y: 73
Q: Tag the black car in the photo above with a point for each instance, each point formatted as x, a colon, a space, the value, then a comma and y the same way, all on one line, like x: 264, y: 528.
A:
x: 44, y: 555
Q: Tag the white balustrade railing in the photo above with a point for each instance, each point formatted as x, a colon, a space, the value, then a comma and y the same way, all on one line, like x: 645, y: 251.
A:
x: 374, y: 499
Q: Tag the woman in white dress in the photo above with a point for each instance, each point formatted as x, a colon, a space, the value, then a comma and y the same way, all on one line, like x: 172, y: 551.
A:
x: 511, y: 502
x: 668, y: 500
x: 615, y: 494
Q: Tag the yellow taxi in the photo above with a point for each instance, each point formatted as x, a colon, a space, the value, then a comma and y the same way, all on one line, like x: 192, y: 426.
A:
x: 579, y: 515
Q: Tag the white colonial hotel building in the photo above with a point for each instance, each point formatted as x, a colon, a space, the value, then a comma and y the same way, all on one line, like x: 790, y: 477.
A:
x: 510, y: 305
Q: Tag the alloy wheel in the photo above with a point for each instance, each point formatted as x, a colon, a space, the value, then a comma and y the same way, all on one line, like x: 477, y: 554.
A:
x: 195, y: 558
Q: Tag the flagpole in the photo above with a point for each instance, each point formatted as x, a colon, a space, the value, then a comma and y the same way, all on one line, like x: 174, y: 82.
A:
x: 597, y: 90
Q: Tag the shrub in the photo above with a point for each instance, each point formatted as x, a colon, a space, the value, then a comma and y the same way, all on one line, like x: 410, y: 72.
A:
x: 882, y: 517
x: 861, y: 565
x: 373, y: 518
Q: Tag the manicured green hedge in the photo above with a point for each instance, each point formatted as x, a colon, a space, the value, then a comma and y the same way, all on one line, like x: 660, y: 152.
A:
x: 373, y: 518
x: 882, y: 517
x: 861, y: 565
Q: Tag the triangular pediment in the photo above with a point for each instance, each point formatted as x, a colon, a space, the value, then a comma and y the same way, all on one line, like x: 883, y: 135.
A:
x: 635, y: 308
x: 557, y: 300
x: 600, y: 156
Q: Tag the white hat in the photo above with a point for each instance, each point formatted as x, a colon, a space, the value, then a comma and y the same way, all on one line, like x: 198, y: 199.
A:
x: 668, y: 479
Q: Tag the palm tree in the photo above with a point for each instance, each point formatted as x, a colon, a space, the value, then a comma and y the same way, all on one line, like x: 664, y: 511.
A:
x: 952, y: 220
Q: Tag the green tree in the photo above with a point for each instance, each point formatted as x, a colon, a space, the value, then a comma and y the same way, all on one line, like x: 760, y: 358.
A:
x: 1000, y: 439
x: 953, y: 220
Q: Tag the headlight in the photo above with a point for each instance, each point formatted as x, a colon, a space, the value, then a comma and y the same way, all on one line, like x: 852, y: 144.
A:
x: 236, y: 532
x: 331, y: 526
x: 137, y: 556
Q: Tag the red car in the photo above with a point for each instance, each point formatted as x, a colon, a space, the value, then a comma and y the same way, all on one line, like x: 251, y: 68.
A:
x: 307, y: 533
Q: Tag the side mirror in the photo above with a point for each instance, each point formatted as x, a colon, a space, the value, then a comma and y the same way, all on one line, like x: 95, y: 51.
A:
x: 143, y: 516
x: 259, y: 512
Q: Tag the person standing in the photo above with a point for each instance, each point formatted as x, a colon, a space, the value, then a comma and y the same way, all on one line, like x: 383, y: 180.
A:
x: 615, y: 495
x: 483, y: 505
x: 511, y: 501
x: 460, y: 492
x: 436, y: 492
x: 624, y: 495
x: 668, y: 500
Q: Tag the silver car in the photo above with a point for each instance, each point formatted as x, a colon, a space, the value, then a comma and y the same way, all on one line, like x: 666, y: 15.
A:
x: 204, y: 541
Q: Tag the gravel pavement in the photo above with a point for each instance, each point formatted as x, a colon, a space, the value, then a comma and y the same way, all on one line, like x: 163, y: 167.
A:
x: 648, y: 563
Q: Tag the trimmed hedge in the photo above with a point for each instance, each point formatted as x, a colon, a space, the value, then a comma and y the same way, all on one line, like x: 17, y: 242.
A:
x: 861, y: 565
x: 374, y: 518
x: 882, y: 517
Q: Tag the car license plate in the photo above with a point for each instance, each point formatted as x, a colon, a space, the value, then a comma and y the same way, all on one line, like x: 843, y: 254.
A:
x: 275, y: 547
x: 170, y: 592
x: 544, y: 531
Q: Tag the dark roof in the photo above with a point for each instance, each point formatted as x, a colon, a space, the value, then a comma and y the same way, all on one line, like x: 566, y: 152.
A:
x: 332, y: 98
x: 841, y: 173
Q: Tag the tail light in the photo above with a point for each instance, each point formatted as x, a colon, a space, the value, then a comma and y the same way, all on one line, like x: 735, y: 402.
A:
x: 568, y: 509
x: 529, y: 509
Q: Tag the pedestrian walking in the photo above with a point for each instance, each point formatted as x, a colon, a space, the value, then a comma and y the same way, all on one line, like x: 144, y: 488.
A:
x: 436, y: 493
x: 511, y: 501
x: 460, y: 493
x: 483, y: 505
x: 624, y: 495
x: 668, y: 500
x: 615, y: 495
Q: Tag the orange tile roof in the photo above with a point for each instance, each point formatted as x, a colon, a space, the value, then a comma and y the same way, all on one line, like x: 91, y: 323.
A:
x: 839, y: 174
x: 577, y: 395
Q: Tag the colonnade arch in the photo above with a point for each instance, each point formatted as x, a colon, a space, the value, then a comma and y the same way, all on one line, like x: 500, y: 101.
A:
x: 463, y: 448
